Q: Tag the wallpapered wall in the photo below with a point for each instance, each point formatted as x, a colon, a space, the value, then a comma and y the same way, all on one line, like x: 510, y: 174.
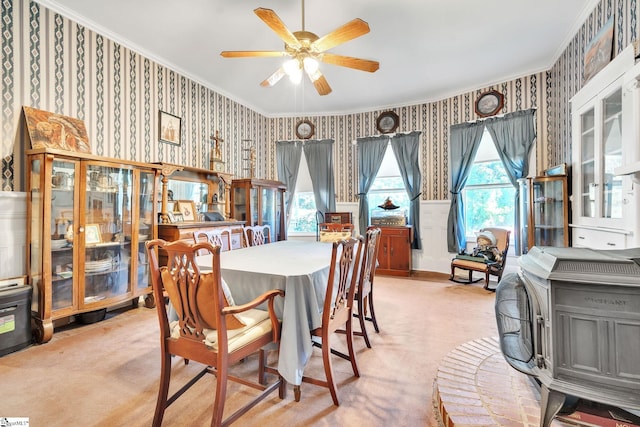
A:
x: 54, y: 64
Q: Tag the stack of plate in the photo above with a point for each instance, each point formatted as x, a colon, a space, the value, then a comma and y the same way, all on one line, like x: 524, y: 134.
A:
x: 99, y: 265
x: 58, y: 243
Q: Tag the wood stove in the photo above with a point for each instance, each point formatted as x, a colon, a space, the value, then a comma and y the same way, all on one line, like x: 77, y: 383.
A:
x: 571, y: 319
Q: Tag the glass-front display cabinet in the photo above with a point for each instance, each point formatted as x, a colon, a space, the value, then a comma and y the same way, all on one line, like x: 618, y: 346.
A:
x: 544, y: 212
x: 89, y: 218
x: 259, y: 202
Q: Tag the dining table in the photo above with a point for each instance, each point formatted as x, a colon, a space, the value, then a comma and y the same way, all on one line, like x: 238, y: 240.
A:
x: 301, y: 269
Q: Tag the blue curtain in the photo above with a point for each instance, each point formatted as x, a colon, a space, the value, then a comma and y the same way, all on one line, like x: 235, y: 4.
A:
x: 319, y: 155
x: 370, y: 155
x: 288, y: 154
x: 406, y: 148
x: 463, y: 145
x: 514, y: 136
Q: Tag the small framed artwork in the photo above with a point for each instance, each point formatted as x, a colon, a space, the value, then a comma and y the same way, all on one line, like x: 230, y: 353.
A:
x: 176, y: 217
x: 598, y: 52
x: 387, y: 122
x: 92, y: 234
x: 170, y: 128
x: 188, y: 210
x: 489, y: 103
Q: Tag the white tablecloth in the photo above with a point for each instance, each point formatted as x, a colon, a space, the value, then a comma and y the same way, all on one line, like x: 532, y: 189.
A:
x: 301, y: 269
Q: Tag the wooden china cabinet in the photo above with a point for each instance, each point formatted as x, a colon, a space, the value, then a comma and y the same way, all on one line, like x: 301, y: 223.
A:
x: 259, y: 202
x: 88, y: 219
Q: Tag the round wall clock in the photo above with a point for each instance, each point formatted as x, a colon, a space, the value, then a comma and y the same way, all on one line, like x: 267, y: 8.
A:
x: 489, y: 103
x: 387, y: 122
x: 304, y: 129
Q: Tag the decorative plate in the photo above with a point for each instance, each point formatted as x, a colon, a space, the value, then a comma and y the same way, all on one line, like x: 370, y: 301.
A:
x: 305, y: 129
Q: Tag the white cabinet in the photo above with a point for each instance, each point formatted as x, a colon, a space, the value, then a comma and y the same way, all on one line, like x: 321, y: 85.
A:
x: 604, y: 202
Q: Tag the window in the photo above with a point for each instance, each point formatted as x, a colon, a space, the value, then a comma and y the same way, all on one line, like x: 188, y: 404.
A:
x: 388, y: 183
x: 489, y: 197
x: 303, y: 210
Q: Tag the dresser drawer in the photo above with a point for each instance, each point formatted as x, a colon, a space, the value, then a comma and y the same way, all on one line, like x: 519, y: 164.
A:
x: 598, y: 239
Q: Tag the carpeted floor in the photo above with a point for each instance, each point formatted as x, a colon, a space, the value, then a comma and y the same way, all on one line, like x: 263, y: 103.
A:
x: 106, y: 374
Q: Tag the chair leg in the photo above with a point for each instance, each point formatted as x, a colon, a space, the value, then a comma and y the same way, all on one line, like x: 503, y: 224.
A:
x: 296, y: 392
x: 352, y: 353
x: 262, y: 362
x: 373, y: 313
x: 361, y: 318
x: 486, y: 280
x: 163, y: 391
x: 470, y: 276
x: 221, y: 395
x: 328, y: 371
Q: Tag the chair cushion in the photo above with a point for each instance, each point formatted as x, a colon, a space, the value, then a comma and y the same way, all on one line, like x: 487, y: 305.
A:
x: 257, y: 324
x: 204, y: 299
x: 470, y: 265
x: 333, y: 236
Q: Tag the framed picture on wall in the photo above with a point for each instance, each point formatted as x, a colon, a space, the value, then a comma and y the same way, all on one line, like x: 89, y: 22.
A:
x: 597, y: 54
x: 169, y: 128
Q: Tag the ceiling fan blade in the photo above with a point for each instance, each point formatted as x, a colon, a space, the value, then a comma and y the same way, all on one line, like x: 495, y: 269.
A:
x: 251, y: 53
x: 275, y: 23
x: 351, y: 62
x: 320, y: 83
x: 273, y: 78
x: 348, y: 31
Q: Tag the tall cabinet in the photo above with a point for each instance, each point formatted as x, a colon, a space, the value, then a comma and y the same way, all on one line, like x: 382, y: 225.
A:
x: 544, y: 212
x: 605, y: 137
x: 259, y: 202
x: 88, y: 220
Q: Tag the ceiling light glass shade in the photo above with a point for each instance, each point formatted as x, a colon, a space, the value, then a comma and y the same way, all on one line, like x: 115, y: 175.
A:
x: 293, y: 70
x: 314, y: 76
x: 310, y: 65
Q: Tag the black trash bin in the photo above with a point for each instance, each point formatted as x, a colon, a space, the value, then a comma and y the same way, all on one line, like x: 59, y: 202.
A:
x: 15, y: 316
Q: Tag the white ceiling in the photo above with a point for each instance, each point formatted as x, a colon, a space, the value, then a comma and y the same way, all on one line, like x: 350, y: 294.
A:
x: 427, y: 49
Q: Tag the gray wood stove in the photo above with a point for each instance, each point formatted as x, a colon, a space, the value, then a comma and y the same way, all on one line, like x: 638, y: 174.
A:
x: 571, y: 319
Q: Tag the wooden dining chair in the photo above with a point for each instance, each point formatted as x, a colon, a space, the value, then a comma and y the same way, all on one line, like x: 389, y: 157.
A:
x: 337, y: 312
x: 363, y: 298
x: 332, y: 232
x: 209, y: 329
x: 258, y: 234
x: 218, y: 237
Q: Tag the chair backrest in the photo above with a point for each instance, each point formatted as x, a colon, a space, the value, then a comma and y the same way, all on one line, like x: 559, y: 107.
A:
x: 258, y: 234
x: 341, y: 285
x: 332, y: 232
x: 197, y: 302
x: 502, y: 241
x: 369, y: 259
x: 218, y: 237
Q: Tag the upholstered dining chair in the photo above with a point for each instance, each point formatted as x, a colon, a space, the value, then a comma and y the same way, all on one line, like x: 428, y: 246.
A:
x: 218, y: 237
x: 337, y: 312
x: 467, y: 263
x: 332, y: 232
x: 209, y: 328
x: 258, y: 234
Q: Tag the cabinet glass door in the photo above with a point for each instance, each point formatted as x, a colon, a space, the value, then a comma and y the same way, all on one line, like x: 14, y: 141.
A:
x: 548, y: 213
x: 269, y: 209
x: 145, y: 228
x: 587, y: 164
x: 107, y: 241
x: 61, y: 226
x: 239, y: 204
x: 612, y: 156
x: 254, y: 206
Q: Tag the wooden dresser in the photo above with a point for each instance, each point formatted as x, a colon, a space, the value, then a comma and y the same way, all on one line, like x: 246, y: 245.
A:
x: 394, y: 251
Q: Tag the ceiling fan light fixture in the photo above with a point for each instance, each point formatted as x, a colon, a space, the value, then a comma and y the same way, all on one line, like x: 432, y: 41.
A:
x: 310, y: 65
x: 293, y: 70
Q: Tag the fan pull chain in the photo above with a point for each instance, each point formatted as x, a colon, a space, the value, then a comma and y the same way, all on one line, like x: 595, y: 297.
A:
x: 302, y: 15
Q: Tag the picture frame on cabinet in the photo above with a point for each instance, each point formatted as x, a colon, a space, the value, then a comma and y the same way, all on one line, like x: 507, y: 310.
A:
x: 92, y: 234
x: 169, y: 128
x: 188, y: 210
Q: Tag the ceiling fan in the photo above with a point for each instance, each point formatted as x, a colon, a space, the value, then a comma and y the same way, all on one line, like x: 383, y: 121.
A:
x: 306, y: 49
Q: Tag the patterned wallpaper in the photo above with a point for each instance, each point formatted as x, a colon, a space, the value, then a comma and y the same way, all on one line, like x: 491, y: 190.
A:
x: 52, y: 63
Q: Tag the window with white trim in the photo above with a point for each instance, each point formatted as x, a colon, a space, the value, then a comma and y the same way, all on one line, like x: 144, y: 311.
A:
x: 388, y: 183
x: 489, y: 197
x: 303, y: 210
